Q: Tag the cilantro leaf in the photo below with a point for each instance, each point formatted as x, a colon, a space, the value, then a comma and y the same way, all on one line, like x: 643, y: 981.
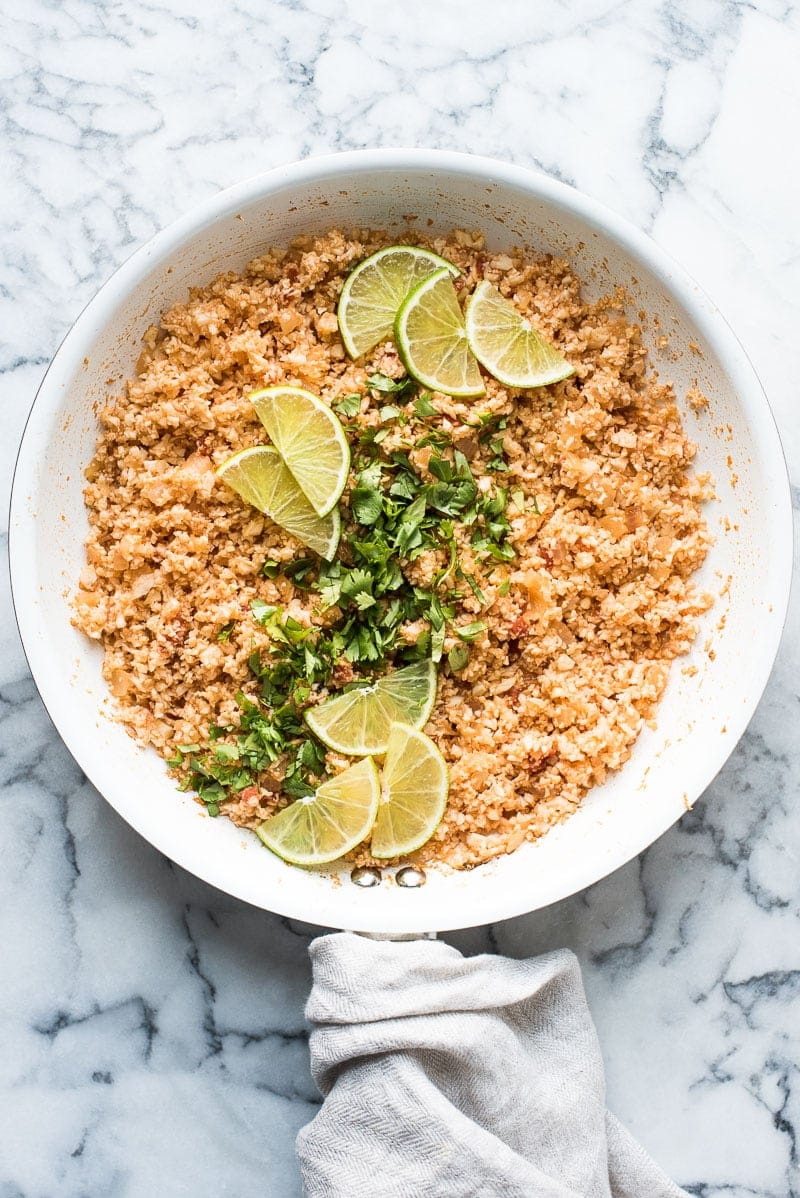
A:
x: 473, y: 585
x: 469, y: 632
x: 387, y: 386
x: 366, y: 505
x: 408, y: 536
x: 404, y: 487
x: 357, y: 585
x: 262, y: 611
x: 458, y: 657
x: 423, y: 406
x: 347, y: 405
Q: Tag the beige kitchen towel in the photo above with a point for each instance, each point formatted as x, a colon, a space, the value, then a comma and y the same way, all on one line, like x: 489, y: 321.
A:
x: 453, y: 1076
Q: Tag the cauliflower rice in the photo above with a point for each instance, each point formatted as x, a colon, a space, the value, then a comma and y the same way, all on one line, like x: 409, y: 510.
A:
x: 583, y: 624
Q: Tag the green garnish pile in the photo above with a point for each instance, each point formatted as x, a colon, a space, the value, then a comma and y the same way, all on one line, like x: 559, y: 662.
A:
x: 392, y: 515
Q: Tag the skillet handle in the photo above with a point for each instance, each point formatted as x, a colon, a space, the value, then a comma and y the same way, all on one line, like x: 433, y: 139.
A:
x: 397, y: 935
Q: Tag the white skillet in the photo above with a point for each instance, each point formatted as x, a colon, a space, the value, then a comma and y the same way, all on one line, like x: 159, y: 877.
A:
x: 700, y: 718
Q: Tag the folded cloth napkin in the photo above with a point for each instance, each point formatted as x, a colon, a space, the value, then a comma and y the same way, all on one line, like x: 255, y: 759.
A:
x: 454, y: 1076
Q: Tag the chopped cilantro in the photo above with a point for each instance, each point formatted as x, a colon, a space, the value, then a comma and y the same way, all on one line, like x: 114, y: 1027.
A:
x: 366, y: 503
x: 402, y: 388
x: 458, y: 657
x: 423, y: 406
x: 261, y: 610
x: 224, y: 633
x: 347, y: 405
x: 300, y: 570
x: 215, y: 731
x: 436, y: 438
x: 473, y: 585
x: 469, y: 632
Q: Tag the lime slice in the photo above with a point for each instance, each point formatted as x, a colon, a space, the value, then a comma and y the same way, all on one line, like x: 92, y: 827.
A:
x: 508, y: 345
x: 374, y: 291
x: 432, y: 340
x: 310, y: 439
x: 413, y: 793
x: 329, y: 823
x: 358, y: 721
x: 261, y: 477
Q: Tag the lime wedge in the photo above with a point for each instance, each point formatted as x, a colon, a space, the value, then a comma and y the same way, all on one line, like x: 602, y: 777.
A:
x: 310, y: 439
x: 329, y: 823
x: 374, y: 291
x: 261, y: 477
x: 508, y: 345
x: 358, y: 721
x: 413, y: 793
x: 432, y: 340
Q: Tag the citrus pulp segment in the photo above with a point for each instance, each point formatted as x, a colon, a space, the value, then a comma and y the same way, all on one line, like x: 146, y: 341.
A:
x: 263, y: 479
x: 374, y: 291
x: 430, y: 334
x: 508, y: 345
x: 414, y: 788
x: 358, y: 721
x: 326, y: 825
x: 310, y: 439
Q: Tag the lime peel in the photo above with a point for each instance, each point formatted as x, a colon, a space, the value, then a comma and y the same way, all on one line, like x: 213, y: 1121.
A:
x: 508, y: 345
x: 358, y: 722
x: 432, y: 340
x: 375, y: 289
x: 414, y: 789
x: 310, y: 439
x: 261, y: 477
x: 328, y: 824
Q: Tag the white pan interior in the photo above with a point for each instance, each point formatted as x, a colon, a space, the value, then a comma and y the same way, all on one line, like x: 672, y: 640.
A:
x: 701, y: 717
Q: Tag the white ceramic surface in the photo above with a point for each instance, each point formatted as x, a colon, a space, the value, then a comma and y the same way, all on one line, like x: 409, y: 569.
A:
x: 701, y: 717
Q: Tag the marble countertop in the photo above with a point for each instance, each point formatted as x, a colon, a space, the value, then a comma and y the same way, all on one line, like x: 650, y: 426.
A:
x: 152, y: 1039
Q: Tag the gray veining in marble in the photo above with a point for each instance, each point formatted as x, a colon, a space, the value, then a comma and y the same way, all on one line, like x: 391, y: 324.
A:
x: 151, y: 1030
